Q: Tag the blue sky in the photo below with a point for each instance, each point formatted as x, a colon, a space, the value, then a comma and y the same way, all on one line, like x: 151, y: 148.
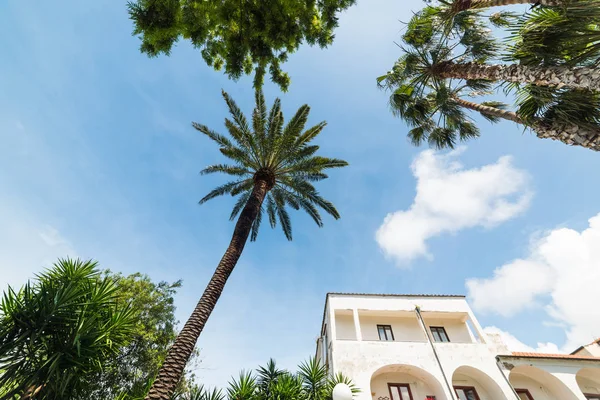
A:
x: 98, y: 160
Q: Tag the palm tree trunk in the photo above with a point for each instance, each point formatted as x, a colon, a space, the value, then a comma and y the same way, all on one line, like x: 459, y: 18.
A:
x: 462, y: 5
x: 575, y: 78
x: 172, y: 368
x: 31, y: 392
x: 570, y: 134
x: 493, y: 111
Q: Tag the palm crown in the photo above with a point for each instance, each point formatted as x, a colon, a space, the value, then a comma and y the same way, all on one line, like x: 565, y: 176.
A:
x: 279, y: 154
x: 428, y: 103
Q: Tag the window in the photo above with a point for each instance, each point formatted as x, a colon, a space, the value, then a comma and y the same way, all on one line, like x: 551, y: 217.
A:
x: 400, y: 391
x: 524, y: 394
x: 385, y: 332
x: 439, y: 334
x: 466, y: 393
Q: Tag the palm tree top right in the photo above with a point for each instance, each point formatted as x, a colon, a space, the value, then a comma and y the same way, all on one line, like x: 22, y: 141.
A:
x: 543, y: 60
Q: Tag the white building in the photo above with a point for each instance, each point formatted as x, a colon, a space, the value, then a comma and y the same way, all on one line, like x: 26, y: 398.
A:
x: 418, y: 347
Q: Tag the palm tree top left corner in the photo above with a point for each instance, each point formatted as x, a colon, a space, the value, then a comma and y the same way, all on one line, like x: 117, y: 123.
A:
x: 274, y: 166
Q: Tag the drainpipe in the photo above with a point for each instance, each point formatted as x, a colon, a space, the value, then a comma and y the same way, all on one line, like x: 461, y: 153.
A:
x: 506, y: 379
x: 451, y: 390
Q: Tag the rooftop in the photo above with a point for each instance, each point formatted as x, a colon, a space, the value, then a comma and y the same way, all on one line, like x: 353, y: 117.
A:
x: 395, y: 295
x: 597, y: 341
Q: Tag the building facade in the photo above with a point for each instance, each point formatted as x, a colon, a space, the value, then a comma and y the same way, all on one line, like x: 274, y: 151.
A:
x: 430, y: 347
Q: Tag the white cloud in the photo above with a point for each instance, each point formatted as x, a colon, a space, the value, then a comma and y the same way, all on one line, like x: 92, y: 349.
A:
x: 515, y: 344
x: 523, y: 280
x: 451, y: 198
x: 562, y: 273
x: 30, y: 246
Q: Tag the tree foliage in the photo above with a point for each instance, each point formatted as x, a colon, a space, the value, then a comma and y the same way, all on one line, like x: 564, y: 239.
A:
x: 419, y: 95
x: 79, y: 333
x: 560, y: 36
x: 240, y: 36
x: 129, y: 371
x: 446, y: 55
x: 57, y: 331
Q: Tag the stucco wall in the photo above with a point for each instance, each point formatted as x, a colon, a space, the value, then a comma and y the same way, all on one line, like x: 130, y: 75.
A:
x: 555, y: 379
x: 399, y: 303
x: 535, y: 388
x: 344, y: 323
x: 588, y: 380
x: 592, y: 350
x: 404, y: 329
x: 457, y: 331
x: 418, y: 388
x: 588, y: 385
x: 372, y: 363
x: 464, y: 380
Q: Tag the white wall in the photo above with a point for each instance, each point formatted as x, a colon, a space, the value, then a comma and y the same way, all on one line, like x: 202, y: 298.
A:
x: 592, y: 350
x: 551, y: 379
x: 405, y: 329
x: 456, y: 330
x: 418, y: 388
x: 372, y: 363
x: 535, y: 388
x: 464, y: 380
x: 344, y: 323
x: 398, y: 303
x: 588, y: 380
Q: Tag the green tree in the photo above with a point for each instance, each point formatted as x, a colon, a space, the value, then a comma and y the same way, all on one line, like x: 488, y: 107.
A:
x: 57, y: 332
x: 311, y: 382
x: 274, y: 165
x: 129, y: 371
x: 240, y: 35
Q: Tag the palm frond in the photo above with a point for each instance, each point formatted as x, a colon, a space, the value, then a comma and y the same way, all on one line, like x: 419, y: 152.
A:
x: 242, y: 388
x: 276, y: 153
x: 220, y: 139
x: 226, y: 169
x: 226, y: 188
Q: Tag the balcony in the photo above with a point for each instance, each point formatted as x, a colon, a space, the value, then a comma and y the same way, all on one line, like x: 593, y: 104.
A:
x: 405, y: 326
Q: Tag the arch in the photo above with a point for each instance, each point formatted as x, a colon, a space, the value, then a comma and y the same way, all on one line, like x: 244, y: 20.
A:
x: 421, y: 382
x: 486, y: 387
x: 540, y: 383
x: 588, y: 380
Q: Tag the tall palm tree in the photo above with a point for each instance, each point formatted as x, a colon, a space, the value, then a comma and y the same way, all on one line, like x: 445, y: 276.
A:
x: 580, y: 20
x: 438, y: 117
x: 428, y: 30
x: 274, y: 167
x: 433, y: 105
x: 551, y: 76
x: 58, y: 330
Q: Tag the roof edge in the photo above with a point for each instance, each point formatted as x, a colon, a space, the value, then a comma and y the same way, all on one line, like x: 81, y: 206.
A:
x: 543, y: 356
x: 396, y: 295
